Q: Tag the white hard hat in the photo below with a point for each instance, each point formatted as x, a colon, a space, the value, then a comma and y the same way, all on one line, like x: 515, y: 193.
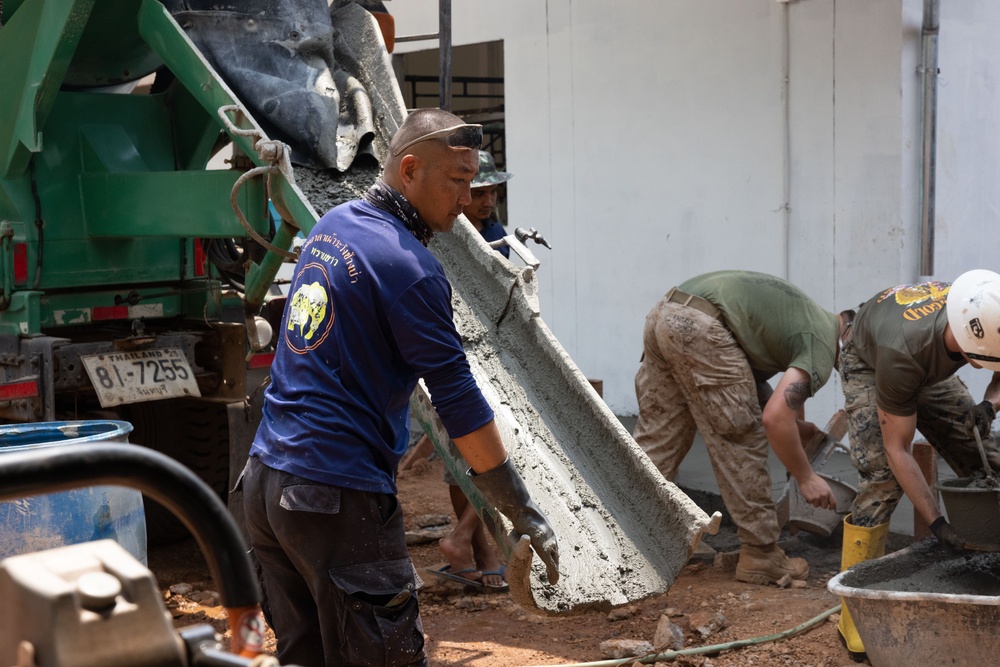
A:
x: 974, y: 316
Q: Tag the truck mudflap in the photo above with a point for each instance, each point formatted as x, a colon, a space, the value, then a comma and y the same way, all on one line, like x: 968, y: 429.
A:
x: 624, y: 531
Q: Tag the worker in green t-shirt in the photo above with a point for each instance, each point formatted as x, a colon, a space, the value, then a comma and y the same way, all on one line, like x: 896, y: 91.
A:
x: 897, y: 365
x: 709, y: 347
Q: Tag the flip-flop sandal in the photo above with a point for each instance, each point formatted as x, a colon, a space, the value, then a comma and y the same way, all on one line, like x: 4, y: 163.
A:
x: 447, y: 574
x: 502, y: 588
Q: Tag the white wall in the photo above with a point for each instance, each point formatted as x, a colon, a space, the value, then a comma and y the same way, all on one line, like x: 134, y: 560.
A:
x: 649, y: 142
x: 968, y: 168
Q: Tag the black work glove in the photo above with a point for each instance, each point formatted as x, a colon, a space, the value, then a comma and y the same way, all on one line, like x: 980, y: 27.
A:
x: 947, y: 536
x: 504, y: 489
x: 981, y: 417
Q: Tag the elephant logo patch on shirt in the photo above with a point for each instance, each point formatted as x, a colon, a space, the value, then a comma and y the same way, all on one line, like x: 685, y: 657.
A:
x: 310, y: 313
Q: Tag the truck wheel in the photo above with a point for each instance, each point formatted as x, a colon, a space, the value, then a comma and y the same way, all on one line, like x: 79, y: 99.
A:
x: 195, y: 433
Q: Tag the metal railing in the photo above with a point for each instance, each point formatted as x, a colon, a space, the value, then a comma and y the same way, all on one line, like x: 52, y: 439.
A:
x: 443, y: 35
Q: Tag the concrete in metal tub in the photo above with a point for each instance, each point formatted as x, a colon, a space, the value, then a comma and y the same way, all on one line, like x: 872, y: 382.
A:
x: 925, y: 606
x: 624, y: 532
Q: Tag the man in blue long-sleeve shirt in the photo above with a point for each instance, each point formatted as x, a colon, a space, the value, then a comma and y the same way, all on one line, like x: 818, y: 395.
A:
x: 369, y: 313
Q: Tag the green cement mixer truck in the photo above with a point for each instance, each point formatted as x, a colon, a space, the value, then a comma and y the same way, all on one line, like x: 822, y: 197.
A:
x: 134, y: 280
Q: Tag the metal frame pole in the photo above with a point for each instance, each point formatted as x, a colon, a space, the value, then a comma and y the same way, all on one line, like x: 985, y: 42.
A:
x: 444, y: 48
x: 929, y: 71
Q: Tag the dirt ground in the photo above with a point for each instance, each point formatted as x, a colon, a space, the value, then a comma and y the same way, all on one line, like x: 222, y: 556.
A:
x: 480, y: 630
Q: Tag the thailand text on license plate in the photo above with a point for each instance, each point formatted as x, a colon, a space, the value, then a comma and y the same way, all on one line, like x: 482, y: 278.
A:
x: 142, y: 375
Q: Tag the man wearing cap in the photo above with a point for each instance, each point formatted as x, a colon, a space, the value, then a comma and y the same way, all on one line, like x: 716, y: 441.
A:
x: 369, y: 313
x: 472, y: 560
x: 898, y: 363
x: 709, y: 346
x: 484, y: 200
x: 471, y: 556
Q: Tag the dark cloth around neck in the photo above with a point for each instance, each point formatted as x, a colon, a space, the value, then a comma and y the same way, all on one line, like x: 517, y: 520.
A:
x: 385, y: 198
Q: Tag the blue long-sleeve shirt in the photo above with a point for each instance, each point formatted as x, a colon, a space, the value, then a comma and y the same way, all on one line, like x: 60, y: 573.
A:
x: 369, y: 312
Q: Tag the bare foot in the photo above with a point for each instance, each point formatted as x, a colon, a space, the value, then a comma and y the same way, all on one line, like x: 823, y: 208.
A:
x: 492, y: 571
x: 492, y: 579
x: 460, y: 558
x: 486, y: 557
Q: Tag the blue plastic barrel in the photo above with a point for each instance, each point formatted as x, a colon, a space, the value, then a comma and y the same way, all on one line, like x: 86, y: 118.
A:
x: 36, y: 523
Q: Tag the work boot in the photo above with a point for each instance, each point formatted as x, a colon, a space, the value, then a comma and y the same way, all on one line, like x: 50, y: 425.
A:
x: 860, y: 544
x: 767, y: 563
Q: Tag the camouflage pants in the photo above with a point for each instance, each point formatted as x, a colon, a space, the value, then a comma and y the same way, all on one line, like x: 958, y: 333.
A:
x: 694, y: 376
x: 941, y: 409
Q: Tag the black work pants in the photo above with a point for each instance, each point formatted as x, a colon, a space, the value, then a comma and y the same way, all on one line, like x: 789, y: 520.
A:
x: 336, y: 575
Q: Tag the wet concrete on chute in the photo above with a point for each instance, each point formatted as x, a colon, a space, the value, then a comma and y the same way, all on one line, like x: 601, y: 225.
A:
x: 624, y: 531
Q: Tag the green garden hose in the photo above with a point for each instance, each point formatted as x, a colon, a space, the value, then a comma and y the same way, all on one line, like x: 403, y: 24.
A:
x: 669, y: 656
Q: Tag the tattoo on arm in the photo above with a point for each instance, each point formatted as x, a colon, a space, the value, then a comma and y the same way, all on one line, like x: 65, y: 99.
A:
x: 796, y: 394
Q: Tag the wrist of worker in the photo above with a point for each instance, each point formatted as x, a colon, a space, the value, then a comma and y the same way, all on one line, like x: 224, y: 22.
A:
x: 937, y: 524
x: 807, y: 475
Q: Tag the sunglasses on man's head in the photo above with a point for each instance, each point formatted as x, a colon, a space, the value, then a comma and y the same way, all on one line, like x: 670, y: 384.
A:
x: 458, y: 136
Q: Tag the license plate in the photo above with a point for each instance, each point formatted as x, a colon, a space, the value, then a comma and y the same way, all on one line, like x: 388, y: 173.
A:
x: 139, y: 376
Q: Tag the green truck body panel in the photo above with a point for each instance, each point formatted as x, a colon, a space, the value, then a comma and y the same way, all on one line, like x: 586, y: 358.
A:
x: 113, y: 187
x: 107, y: 210
x: 106, y: 206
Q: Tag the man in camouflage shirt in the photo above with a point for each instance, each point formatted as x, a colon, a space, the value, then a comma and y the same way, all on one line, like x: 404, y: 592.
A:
x: 897, y: 364
x: 481, y: 211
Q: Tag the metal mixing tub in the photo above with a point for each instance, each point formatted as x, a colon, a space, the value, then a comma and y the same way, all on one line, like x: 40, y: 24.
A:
x: 925, y: 606
x: 973, y: 509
